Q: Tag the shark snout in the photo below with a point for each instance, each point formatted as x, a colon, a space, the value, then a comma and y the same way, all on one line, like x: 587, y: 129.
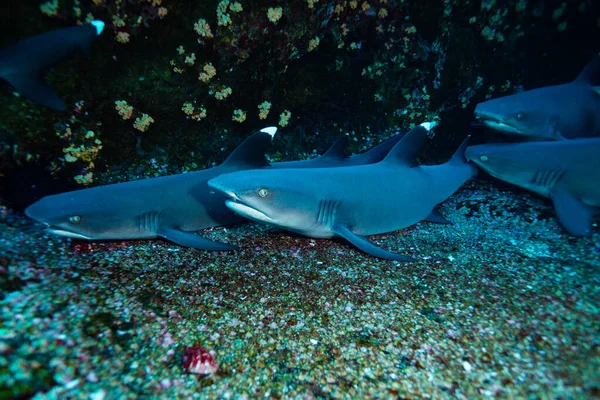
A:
x: 485, y: 115
x: 221, y: 186
x: 35, y: 212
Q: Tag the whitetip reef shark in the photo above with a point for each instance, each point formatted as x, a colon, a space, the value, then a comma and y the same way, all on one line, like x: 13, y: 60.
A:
x: 25, y: 63
x: 550, y: 113
x: 567, y: 172
x: 349, y: 202
x: 172, y: 207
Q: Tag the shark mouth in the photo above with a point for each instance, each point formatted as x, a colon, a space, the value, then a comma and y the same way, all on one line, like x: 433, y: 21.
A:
x: 247, y: 211
x: 237, y: 205
x: 494, y: 122
x: 72, y: 235
x: 62, y: 232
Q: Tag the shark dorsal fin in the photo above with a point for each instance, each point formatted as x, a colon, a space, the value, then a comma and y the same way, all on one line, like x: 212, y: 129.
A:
x: 406, y: 150
x: 251, y: 152
x: 459, y: 155
x: 379, y: 152
x: 336, y: 151
x: 591, y: 73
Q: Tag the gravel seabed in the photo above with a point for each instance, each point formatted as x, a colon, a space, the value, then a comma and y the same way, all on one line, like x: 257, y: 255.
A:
x: 501, y: 304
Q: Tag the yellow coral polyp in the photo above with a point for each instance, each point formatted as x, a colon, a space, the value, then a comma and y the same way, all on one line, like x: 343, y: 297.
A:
x: 50, y: 8
x: 208, y: 73
x: 236, y: 7
x: 143, y: 123
x: 118, y: 21
x: 203, y: 29
x: 311, y: 3
x: 284, y: 118
x: 85, y: 179
x: 274, y: 14
x: 263, y: 109
x: 313, y: 43
x: 122, y: 37
x: 188, y: 108
x: 191, y: 59
x: 223, y: 18
x: 191, y: 112
x: 124, y: 109
x: 239, y: 116
x: 224, y: 93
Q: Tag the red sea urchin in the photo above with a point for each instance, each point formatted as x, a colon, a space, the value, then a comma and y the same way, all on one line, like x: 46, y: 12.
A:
x: 199, y: 361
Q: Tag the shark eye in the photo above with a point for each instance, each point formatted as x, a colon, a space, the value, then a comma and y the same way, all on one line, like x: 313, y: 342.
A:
x: 263, y: 192
x: 74, y: 219
x: 520, y: 115
x: 483, y: 158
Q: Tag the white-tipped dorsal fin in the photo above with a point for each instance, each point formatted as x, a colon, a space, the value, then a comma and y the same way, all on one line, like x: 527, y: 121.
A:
x: 99, y: 26
x: 271, y: 130
x: 251, y: 152
x: 429, y: 125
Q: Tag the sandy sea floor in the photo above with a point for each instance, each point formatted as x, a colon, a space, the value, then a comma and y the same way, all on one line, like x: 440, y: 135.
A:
x: 501, y: 304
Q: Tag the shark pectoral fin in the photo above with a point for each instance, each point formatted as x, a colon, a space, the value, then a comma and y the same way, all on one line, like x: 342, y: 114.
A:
x: 574, y: 216
x: 36, y: 90
x: 189, y: 239
x: 438, y: 218
x: 365, y: 245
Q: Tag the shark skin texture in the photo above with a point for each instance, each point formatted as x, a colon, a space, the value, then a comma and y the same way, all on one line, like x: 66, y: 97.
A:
x: 25, y: 63
x: 172, y: 207
x: 567, y: 172
x: 349, y: 202
x: 550, y: 113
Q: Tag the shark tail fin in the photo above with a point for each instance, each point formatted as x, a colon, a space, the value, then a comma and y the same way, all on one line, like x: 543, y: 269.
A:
x: 35, y: 89
x: 336, y: 151
x: 406, y: 150
x: 591, y: 73
x: 251, y: 152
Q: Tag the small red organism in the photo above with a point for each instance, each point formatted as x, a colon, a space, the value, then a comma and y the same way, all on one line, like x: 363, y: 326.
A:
x: 199, y: 361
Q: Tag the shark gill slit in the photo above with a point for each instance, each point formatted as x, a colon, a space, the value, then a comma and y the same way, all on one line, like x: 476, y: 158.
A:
x: 547, y: 177
x: 327, y: 212
x: 148, y: 222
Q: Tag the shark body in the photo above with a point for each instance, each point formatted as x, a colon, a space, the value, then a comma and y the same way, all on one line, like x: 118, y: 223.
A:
x: 349, y: 202
x: 567, y: 172
x: 172, y: 207
x: 23, y: 64
x: 550, y: 113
